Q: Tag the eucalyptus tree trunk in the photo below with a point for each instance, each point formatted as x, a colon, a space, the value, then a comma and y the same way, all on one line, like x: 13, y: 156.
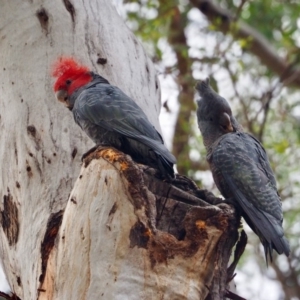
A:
x: 71, y: 234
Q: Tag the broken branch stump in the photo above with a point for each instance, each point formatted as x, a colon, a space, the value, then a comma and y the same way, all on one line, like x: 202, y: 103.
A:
x: 123, y: 237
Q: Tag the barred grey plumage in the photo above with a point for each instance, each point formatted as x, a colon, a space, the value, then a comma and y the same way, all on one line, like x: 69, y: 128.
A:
x: 241, y: 170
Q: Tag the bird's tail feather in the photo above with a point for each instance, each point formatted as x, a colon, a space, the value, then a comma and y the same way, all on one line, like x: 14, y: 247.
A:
x: 165, y: 166
x: 267, y: 227
x: 278, y: 240
x: 166, y: 158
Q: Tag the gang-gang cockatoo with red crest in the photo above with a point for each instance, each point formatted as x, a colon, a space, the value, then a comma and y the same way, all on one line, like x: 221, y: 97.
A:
x: 110, y: 117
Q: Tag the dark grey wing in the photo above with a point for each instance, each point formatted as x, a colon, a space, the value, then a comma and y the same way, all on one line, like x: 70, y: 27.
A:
x: 244, y: 172
x: 108, y: 107
x: 260, y: 153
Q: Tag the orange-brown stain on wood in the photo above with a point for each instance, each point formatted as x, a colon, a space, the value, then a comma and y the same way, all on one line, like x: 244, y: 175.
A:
x: 110, y: 154
x: 200, y: 224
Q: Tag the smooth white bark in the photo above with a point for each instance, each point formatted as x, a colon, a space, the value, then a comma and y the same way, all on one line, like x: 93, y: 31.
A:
x: 38, y: 136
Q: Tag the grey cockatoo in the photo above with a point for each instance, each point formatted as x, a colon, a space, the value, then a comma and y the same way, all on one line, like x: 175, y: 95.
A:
x: 241, y: 169
x: 109, y: 117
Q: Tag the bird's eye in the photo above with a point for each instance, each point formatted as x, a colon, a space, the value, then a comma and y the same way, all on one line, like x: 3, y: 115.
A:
x: 68, y: 82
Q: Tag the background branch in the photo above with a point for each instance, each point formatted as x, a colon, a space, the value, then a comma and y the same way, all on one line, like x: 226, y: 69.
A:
x: 257, y: 44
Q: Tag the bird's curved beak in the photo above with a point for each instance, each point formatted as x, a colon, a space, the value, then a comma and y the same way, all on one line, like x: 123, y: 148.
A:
x: 225, y: 123
x: 62, y: 96
x: 230, y: 128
